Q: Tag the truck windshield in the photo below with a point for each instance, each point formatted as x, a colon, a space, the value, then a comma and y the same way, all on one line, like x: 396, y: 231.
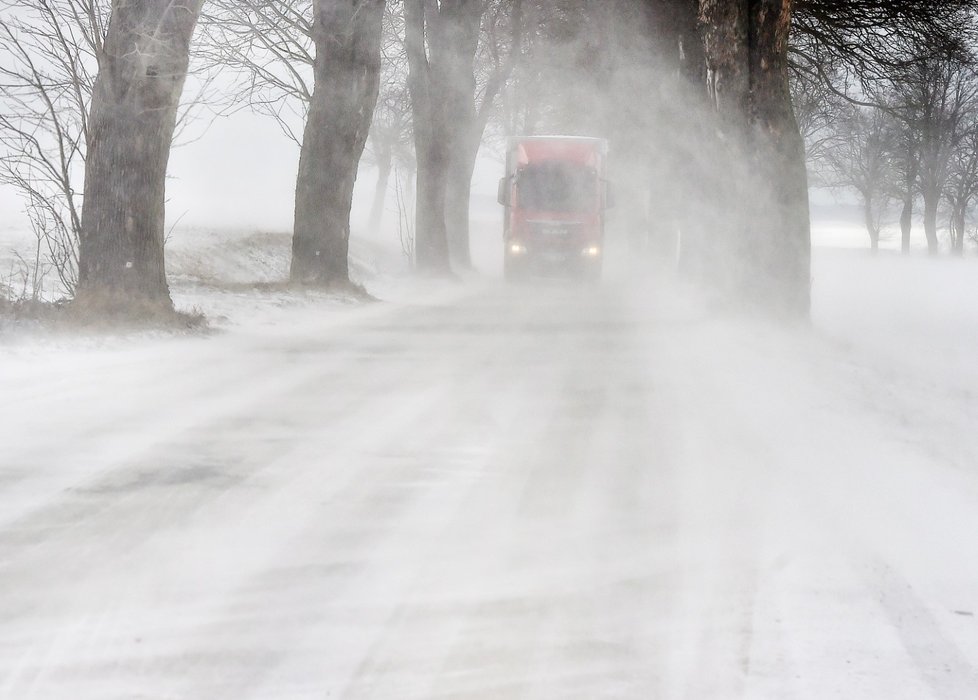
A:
x: 556, y: 186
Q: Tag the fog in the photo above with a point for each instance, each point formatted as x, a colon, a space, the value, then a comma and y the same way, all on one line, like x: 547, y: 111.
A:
x: 466, y: 486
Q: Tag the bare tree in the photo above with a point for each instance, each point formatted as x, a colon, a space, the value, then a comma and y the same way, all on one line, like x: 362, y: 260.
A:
x: 143, y: 65
x: 855, y: 49
x: 390, y: 141
x: 860, y: 158
x: 314, y: 64
x: 49, y: 51
x: 952, y: 93
x: 441, y: 40
x: 751, y: 48
x: 347, y: 36
x: 497, y: 51
x: 935, y: 98
x: 961, y: 191
x: 906, y: 165
x: 746, y: 46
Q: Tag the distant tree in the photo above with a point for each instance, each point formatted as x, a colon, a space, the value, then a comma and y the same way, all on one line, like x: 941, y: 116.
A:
x: 856, y: 49
x: 961, y: 191
x: 935, y: 99
x: 143, y: 65
x: 859, y: 157
x: 390, y: 141
x: 906, y: 167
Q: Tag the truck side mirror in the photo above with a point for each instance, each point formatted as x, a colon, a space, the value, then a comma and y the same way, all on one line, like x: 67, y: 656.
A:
x: 503, y: 194
x: 609, y: 195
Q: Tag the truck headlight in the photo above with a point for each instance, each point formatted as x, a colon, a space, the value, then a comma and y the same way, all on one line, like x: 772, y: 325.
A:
x: 517, y: 249
x: 591, y: 252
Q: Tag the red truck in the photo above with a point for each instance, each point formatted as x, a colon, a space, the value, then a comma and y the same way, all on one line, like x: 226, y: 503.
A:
x: 555, y: 194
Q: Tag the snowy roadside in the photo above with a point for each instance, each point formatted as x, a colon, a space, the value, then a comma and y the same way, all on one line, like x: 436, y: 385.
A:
x: 909, y: 327
x: 234, y: 278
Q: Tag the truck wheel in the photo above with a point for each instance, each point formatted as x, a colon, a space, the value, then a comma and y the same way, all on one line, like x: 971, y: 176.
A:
x: 512, y: 270
x: 591, y: 273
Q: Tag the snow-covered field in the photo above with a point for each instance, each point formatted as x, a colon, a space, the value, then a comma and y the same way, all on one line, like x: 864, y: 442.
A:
x: 470, y: 490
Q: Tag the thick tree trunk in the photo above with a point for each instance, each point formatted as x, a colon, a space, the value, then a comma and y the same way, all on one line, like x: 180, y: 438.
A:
x: 442, y: 85
x: 457, y: 210
x: 747, y: 57
x: 142, y: 70
x: 645, y: 61
x: 906, y: 223
x: 455, y: 50
x: 698, y: 216
x: 932, y: 201
x: 721, y: 244
x: 431, y: 147
x: 430, y: 237
x: 346, y: 73
x: 783, y: 262
x: 385, y: 163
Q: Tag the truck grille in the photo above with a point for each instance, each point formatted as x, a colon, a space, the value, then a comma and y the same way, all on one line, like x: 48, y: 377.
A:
x: 555, y: 238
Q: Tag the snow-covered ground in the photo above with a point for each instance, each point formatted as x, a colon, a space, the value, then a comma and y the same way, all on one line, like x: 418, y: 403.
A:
x: 470, y: 490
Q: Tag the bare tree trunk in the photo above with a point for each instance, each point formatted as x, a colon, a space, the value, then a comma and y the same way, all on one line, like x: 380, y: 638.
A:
x: 958, y: 219
x: 747, y: 56
x: 906, y: 223
x: 697, y: 216
x: 143, y: 67
x: 442, y: 86
x: 431, y: 147
x: 932, y: 201
x: 721, y: 246
x: 783, y: 261
x: 385, y: 162
x: 346, y: 71
x: 458, y: 42
x: 468, y: 119
x: 910, y: 181
x: 869, y: 217
x: 457, y: 210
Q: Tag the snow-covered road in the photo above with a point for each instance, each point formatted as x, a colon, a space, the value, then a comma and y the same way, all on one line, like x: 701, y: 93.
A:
x: 488, y: 492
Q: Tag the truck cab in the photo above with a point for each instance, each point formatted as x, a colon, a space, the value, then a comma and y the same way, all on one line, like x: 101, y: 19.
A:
x: 555, y: 196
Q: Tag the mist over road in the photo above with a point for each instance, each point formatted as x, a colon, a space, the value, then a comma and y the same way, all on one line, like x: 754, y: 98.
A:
x: 545, y: 491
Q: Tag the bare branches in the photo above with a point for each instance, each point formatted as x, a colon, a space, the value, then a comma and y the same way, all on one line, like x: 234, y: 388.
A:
x: 869, y: 40
x: 49, y: 53
x: 267, y: 46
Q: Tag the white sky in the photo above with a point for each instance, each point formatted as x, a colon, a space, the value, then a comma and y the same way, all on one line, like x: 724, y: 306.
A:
x: 241, y: 175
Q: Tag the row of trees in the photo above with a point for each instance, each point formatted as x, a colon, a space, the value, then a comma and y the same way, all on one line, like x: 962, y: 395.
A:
x: 908, y: 139
x: 315, y: 66
x: 694, y: 90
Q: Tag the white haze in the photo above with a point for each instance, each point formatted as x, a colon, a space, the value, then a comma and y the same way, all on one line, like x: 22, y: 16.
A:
x: 479, y: 490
